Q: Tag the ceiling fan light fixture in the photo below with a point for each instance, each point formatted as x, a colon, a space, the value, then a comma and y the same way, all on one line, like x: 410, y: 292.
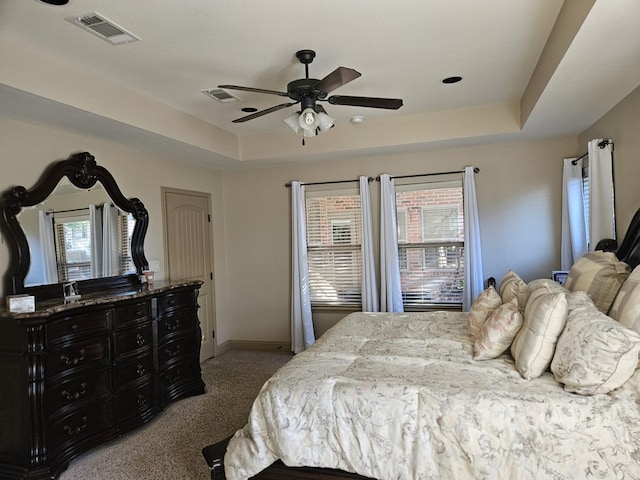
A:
x: 325, y: 122
x: 292, y: 121
x: 308, y: 119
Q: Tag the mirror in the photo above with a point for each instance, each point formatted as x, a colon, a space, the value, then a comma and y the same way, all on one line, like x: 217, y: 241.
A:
x: 74, y: 225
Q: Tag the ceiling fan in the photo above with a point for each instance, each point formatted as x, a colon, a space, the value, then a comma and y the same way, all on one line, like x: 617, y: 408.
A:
x: 309, y: 91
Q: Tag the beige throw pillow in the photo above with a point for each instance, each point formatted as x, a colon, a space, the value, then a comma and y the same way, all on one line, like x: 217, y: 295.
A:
x: 498, y: 331
x: 601, y: 275
x: 544, y: 318
x: 626, y: 306
x: 594, y: 354
x: 481, y: 308
x: 512, y: 286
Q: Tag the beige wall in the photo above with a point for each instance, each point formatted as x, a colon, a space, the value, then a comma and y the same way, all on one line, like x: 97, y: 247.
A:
x: 519, y: 192
x: 25, y: 150
x: 622, y: 125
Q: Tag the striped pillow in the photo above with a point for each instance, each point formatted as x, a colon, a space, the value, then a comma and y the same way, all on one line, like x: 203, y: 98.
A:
x: 626, y: 306
x: 601, y: 275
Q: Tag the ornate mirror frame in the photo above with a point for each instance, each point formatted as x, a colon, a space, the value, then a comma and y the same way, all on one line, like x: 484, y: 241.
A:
x: 83, y: 172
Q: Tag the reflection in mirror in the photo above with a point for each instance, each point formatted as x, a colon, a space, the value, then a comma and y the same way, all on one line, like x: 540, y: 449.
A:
x: 77, y: 234
x: 74, y: 228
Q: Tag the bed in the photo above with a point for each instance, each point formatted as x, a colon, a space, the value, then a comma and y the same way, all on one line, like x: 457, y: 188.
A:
x: 410, y: 396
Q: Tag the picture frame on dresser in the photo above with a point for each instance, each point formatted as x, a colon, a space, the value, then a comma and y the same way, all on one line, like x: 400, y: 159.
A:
x: 77, y: 375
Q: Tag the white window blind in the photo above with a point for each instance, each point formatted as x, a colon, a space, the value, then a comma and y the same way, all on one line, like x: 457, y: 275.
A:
x: 334, y: 247
x: 431, y: 242
x: 73, y: 248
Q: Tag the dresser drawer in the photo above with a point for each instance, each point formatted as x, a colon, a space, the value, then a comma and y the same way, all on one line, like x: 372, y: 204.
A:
x: 179, y: 348
x: 134, y: 401
x: 133, y: 371
x: 179, y: 321
x: 133, y: 339
x: 133, y: 312
x: 67, y: 327
x: 176, y: 300
x: 82, y: 423
x: 77, y: 390
x: 78, y: 356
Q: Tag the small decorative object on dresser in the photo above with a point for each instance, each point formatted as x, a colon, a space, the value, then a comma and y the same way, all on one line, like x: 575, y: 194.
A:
x: 76, y: 375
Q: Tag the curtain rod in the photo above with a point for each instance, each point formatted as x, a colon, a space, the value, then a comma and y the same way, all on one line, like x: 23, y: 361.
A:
x: 475, y: 170
x: 602, y: 144
x: 370, y: 179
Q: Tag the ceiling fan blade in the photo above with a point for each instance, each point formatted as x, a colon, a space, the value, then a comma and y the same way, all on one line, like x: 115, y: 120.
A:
x: 256, y: 90
x: 371, y: 102
x: 263, y: 112
x: 340, y: 76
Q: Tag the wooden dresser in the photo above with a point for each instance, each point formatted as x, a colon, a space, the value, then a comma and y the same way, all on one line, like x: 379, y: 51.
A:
x: 76, y: 376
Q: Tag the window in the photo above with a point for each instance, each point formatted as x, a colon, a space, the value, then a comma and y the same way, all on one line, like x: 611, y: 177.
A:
x: 333, y: 247
x: 74, y: 244
x: 431, y: 242
x: 73, y: 248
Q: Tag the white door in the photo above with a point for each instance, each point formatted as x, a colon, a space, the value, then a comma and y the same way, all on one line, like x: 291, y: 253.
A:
x: 187, y: 228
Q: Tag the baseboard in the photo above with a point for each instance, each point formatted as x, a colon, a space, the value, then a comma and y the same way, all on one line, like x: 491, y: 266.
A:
x: 223, y: 348
x: 284, y: 347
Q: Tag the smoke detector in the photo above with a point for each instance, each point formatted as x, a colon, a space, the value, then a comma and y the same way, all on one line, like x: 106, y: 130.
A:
x: 103, y: 28
x: 221, y: 95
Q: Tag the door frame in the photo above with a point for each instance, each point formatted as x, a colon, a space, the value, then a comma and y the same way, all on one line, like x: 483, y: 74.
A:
x: 165, y: 239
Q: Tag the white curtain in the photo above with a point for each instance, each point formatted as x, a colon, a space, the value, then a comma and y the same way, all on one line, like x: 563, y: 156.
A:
x: 601, y: 208
x: 573, y: 241
x: 473, y: 272
x: 302, y: 335
x: 110, y: 241
x: 95, y: 225
x: 390, y: 288
x: 48, y: 247
x: 369, y: 284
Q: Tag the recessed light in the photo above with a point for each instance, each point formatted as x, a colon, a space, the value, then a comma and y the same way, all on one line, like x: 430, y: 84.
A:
x: 451, y: 80
x: 249, y: 109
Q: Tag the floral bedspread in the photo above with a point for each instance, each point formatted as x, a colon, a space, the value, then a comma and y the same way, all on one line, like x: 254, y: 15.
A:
x: 399, y: 397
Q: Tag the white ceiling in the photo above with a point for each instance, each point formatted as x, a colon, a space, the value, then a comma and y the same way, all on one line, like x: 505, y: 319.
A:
x: 531, y: 68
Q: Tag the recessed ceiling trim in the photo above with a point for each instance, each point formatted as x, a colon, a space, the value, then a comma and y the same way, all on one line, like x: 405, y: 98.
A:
x: 103, y: 28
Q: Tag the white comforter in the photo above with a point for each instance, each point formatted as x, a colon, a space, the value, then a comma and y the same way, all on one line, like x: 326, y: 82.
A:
x: 398, y: 396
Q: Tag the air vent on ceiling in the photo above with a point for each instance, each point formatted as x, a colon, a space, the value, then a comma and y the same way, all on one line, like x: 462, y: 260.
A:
x: 221, y: 95
x: 103, y: 28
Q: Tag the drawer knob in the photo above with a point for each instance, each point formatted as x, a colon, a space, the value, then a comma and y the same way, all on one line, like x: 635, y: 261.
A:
x: 173, y: 378
x: 77, y: 429
x: 172, y: 327
x: 140, y: 340
x: 76, y: 395
x: 140, y: 370
x: 142, y: 401
x: 139, y: 313
x: 171, y: 302
x: 73, y: 361
x: 173, y: 353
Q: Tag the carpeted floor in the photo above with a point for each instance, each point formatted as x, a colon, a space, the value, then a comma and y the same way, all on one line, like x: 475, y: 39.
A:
x: 169, y: 447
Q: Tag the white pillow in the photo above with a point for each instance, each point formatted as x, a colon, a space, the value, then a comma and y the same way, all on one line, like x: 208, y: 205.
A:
x: 534, y: 345
x: 550, y: 286
x: 482, y: 307
x: 498, y: 331
x: 626, y: 306
x: 594, y: 354
x: 512, y: 286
